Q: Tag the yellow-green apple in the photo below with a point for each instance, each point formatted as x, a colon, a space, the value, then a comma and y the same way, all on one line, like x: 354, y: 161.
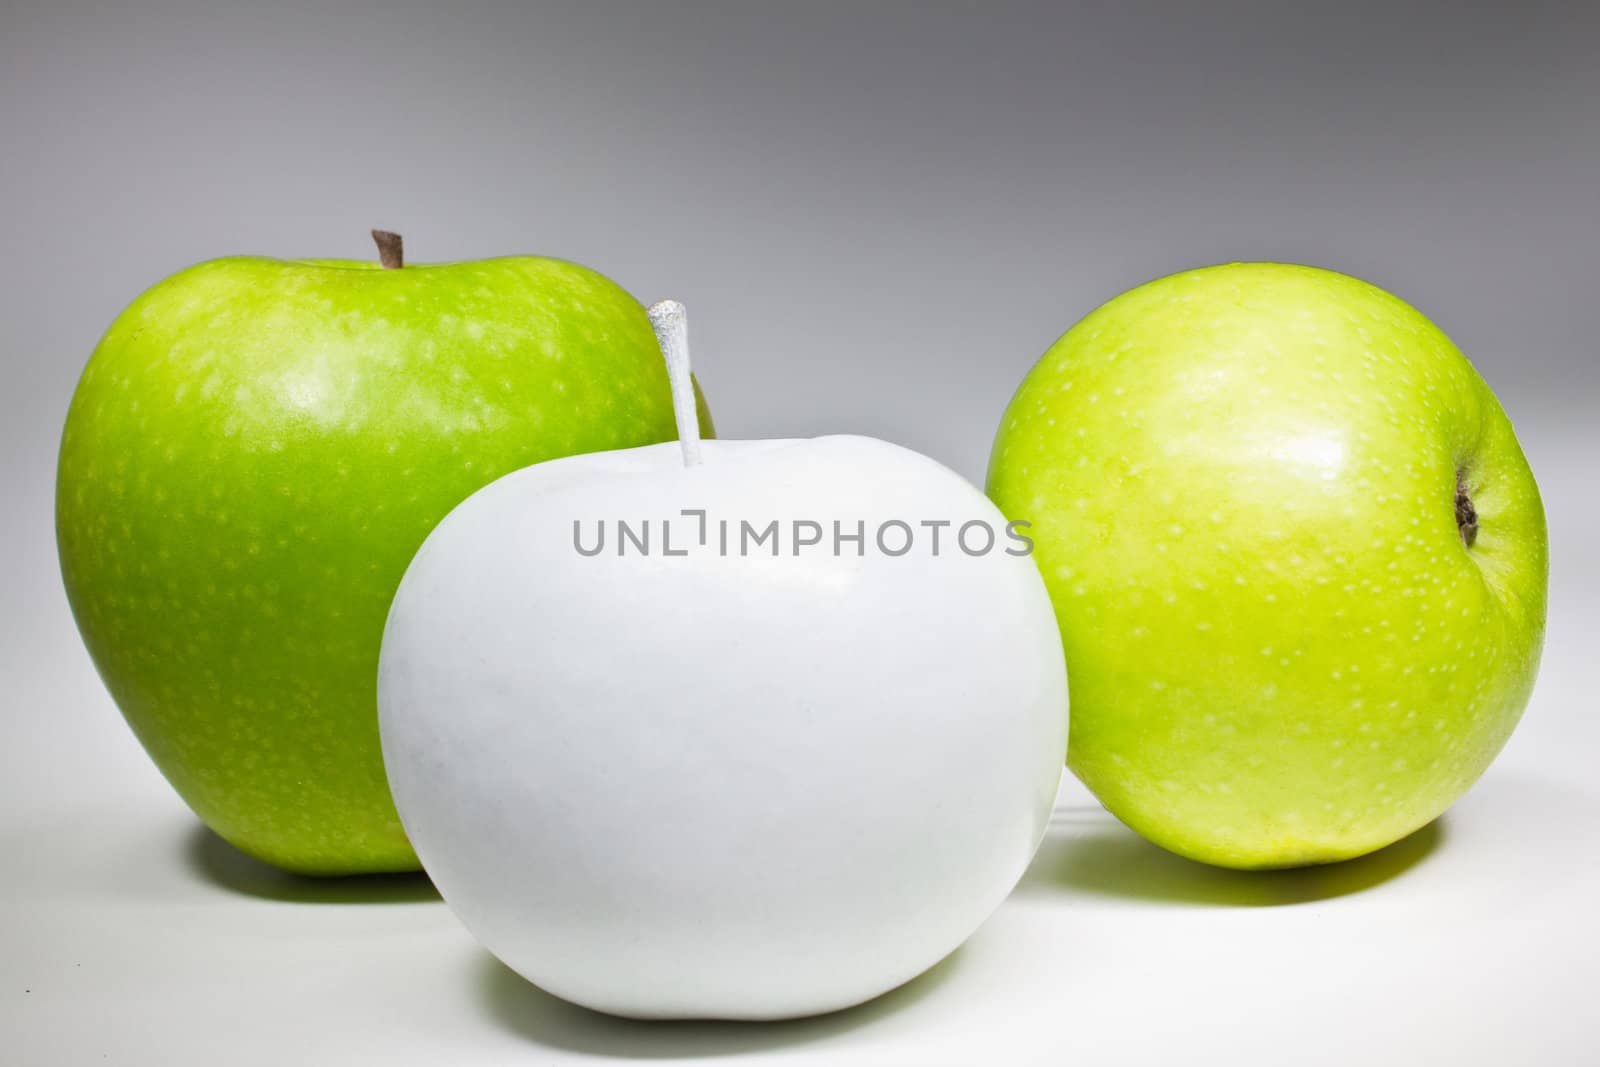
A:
x: 1297, y: 557
x: 255, y: 451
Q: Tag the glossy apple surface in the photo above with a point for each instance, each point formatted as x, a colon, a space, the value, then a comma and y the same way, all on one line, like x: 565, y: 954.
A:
x: 753, y: 783
x: 1297, y: 556
x: 254, y: 452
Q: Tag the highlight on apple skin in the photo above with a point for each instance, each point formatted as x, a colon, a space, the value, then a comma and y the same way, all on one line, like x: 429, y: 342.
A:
x: 254, y: 452
x: 1297, y: 557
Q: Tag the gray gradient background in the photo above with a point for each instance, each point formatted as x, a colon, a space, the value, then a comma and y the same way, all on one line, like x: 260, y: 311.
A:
x: 878, y: 215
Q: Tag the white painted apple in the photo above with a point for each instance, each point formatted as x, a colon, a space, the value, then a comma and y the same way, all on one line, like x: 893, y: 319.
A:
x: 732, y: 729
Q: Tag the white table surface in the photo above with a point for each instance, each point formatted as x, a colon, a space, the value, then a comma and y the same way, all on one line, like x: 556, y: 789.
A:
x: 130, y: 935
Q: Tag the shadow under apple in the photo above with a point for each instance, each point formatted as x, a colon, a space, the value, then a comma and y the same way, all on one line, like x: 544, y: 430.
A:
x: 218, y: 863
x: 1086, y: 850
x: 543, y: 1019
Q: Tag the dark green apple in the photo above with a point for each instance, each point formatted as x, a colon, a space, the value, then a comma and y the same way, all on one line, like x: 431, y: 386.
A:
x: 256, y: 449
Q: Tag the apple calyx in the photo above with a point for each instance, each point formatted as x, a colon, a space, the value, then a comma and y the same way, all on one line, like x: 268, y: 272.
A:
x: 1466, y: 514
x: 670, y: 321
x: 391, y: 249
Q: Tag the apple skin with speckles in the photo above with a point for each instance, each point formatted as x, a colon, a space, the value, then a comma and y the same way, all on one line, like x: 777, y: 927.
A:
x: 1298, y: 560
x: 254, y: 453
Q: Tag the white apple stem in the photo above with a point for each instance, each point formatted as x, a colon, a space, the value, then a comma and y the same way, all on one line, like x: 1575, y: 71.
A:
x: 671, y: 324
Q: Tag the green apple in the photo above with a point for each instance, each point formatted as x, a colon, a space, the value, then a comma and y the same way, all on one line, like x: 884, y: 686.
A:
x: 1297, y: 557
x: 251, y: 458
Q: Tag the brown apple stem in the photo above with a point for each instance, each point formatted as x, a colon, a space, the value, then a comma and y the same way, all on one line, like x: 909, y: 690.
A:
x: 391, y: 250
x: 1466, y: 513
